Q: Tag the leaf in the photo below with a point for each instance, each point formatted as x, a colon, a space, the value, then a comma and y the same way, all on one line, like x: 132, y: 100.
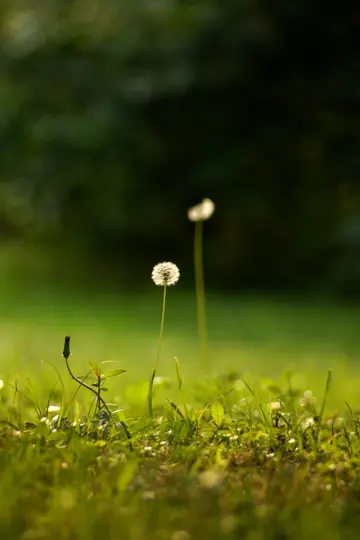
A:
x: 178, y: 374
x: 217, y: 412
x: 95, y: 369
x: 327, y: 388
x: 93, y: 366
x: 113, y: 373
x: 176, y: 408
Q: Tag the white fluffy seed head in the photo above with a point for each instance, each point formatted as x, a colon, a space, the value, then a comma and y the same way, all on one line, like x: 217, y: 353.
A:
x: 165, y: 273
x: 202, y: 211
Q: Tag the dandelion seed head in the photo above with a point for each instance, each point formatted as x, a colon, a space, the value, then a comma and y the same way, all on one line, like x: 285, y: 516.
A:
x: 165, y: 273
x: 202, y: 211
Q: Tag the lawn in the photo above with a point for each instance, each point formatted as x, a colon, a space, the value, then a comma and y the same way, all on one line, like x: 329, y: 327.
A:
x: 235, y: 451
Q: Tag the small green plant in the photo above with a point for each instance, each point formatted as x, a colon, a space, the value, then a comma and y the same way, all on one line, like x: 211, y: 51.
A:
x: 97, y: 387
x: 81, y: 382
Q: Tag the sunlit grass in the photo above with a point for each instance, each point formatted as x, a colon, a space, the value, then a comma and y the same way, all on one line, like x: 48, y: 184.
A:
x: 260, y: 339
x: 244, y: 450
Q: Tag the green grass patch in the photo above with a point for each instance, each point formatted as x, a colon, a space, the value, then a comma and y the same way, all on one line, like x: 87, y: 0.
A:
x: 263, y: 444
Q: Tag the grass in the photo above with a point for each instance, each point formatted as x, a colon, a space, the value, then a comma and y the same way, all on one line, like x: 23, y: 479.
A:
x: 239, y: 453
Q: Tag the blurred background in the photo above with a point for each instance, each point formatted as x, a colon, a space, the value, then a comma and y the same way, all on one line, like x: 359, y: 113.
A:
x: 116, y: 116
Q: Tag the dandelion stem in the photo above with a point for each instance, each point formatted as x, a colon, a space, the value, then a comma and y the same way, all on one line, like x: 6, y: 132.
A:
x: 157, y: 359
x: 200, y: 290
x: 161, y: 329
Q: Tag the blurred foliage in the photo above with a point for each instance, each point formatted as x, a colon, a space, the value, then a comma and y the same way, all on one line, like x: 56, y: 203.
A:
x: 115, y: 116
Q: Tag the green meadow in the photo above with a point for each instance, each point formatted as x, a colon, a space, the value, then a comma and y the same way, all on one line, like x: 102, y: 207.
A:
x: 261, y: 442
x: 158, y: 158
x: 257, y: 337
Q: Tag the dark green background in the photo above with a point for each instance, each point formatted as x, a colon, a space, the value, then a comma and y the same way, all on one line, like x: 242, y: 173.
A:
x: 116, y: 116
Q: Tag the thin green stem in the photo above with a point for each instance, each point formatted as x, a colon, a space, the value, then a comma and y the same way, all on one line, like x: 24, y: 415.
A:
x: 161, y: 330
x: 181, y: 387
x: 157, y: 358
x: 200, y: 290
x: 99, y: 394
x: 82, y: 383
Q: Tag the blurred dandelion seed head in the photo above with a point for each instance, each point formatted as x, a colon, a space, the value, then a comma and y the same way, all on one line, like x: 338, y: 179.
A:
x: 308, y: 399
x: 211, y: 478
x: 180, y: 535
x: 53, y: 408
x: 276, y: 405
x: 202, y: 211
x: 308, y: 422
x: 165, y: 273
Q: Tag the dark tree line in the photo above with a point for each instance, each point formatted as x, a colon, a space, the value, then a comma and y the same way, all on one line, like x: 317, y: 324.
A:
x: 115, y: 116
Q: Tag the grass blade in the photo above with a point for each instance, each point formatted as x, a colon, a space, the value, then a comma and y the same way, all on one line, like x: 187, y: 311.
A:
x: 327, y: 388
